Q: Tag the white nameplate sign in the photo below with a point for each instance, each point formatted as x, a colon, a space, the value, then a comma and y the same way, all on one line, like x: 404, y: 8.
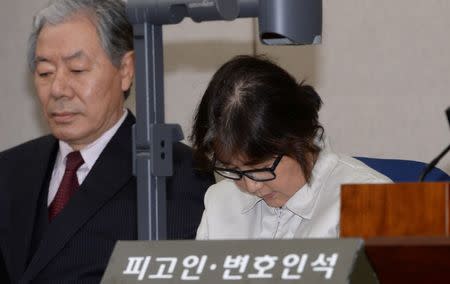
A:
x: 243, y: 261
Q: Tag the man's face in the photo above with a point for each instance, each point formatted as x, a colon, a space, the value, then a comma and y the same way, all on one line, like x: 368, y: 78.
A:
x: 80, y: 91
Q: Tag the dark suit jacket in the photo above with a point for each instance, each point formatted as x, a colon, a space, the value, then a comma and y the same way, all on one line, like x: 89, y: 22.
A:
x: 76, y: 245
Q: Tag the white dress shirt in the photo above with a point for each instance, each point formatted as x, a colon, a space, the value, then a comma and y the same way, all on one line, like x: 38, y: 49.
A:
x: 312, y: 212
x: 90, y: 154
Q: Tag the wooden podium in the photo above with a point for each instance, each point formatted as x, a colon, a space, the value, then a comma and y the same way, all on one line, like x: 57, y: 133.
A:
x: 405, y: 227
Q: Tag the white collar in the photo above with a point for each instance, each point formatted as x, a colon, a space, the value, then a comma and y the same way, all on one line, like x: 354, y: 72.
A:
x: 91, y: 152
x: 304, y: 201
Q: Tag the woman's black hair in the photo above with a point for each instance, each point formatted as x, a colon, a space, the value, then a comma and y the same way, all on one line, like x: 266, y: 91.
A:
x: 252, y: 108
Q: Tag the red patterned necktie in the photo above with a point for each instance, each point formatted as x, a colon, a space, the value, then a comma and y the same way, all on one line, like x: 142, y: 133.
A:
x: 68, y: 186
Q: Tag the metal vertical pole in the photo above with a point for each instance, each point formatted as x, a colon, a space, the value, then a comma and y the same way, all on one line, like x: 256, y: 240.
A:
x: 151, y: 194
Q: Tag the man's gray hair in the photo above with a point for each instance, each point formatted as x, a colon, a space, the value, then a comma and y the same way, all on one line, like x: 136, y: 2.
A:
x: 109, y: 17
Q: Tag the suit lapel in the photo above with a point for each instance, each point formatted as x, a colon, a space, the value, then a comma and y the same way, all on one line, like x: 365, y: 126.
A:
x: 110, y: 173
x: 25, y: 201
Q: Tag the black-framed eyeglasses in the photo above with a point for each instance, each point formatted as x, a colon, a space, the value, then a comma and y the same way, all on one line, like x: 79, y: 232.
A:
x: 263, y: 174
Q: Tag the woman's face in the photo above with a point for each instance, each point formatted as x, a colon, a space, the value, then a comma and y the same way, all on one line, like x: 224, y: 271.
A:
x: 289, y: 179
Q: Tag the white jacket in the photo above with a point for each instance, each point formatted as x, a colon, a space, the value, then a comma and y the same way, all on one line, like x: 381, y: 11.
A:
x: 312, y: 212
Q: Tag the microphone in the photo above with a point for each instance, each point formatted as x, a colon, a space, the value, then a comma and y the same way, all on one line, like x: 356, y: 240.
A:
x: 448, y: 115
x: 436, y: 160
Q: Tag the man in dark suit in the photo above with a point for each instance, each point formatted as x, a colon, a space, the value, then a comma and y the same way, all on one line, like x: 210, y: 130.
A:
x: 59, y: 221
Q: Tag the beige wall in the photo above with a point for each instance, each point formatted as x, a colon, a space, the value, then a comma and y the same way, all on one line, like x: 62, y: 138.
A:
x: 193, y: 53
x: 19, y: 114
x: 382, y: 72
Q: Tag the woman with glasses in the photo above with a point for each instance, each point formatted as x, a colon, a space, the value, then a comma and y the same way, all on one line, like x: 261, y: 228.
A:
x: 258, y: 128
